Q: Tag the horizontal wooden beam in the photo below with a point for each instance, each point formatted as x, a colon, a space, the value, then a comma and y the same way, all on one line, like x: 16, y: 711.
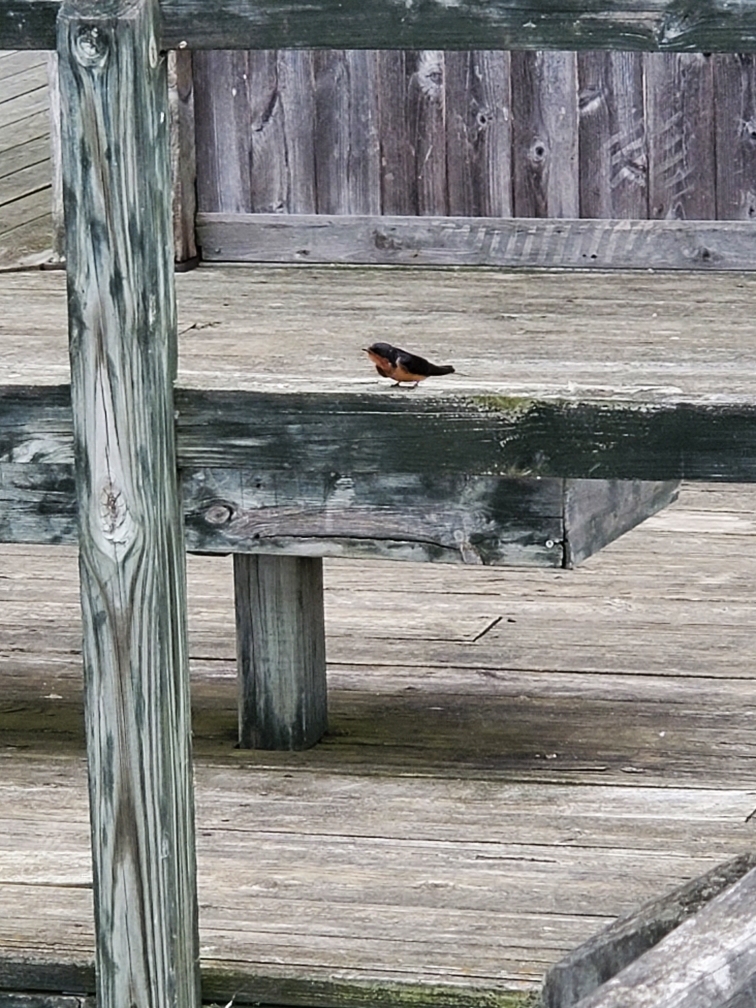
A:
x: 547, y: 522
x: 428, y: 436
x: 478, y: 241
x: 672, y: 25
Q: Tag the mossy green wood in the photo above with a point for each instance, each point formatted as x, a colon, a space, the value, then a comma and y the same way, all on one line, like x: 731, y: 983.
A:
x: 665, y: 437
x: 122, y: 330
x: 681, y: 25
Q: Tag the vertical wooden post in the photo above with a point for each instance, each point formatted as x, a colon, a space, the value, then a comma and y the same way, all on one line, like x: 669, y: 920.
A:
x: 280, y: 635
x: 117, y: 191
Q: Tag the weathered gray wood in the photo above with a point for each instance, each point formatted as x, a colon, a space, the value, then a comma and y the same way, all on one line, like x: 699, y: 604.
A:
x: 56, y: 161
x: 545, y: 135
x: 597, y: 512
x: 281, y: 657
x: 347, y: 151
x: 478, y: 123
x: 398, y: 516
x: 397, y: 144
x: 703, y: 963
x: 483, y: 520
x: 612, y: 140
x: 435, y: 437
x: 469, y: 24
x: 122, y: 331
x: 680, y: 126
x: 222, y: 131
x: 264, y: 146
x: 620, y: 944
x: 10, y: 1000
x: 255, y: 131
x: 296, y: 94
x: 471, y: 241
x: 735, y: 90
x: 183, y: 162
x: 426, y: 112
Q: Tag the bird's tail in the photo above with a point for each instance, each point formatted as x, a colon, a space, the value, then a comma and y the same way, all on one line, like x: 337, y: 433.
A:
x: 438, y: 369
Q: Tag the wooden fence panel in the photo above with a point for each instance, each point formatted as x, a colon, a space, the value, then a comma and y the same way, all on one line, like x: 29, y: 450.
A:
x: 479, y: 134
x: 347, y: 151
x: 680, y: 122
x: 612, y: 135
x: 735, y: 96
x: 613, y: 165
x: 545, y: 135
x: 296, y: 83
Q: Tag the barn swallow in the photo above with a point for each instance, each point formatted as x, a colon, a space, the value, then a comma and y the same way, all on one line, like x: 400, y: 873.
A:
x: 391, y: 362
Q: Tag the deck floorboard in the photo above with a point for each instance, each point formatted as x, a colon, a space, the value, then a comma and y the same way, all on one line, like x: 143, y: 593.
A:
x: 476, y: 809
x: 25, y: 173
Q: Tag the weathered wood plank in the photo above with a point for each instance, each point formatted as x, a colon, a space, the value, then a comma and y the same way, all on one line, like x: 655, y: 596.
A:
x: 346, y: 145
x: 54, y: 149
x: 426, y: 112
x: 462, y: 520
x: 596, y: 513
x: 281, y: 651
x: 479, y: 133
x: 613, y: 155
x: 221, y: 140
x: 620, y: 944
x: 705, y: 961
x: 32, y: 152
x: 545, y: 134
x: 183, y: 161
x: 435, y: 437
x: 471, y: 241
x: 735, y: 90
x: 122, y: 333
x: 680, y: 127
x: 469, y: 24
x: 296, y: 95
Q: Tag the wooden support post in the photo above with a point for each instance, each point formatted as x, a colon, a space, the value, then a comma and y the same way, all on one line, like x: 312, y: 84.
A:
x: 280, y: 634
x: 117, y: 192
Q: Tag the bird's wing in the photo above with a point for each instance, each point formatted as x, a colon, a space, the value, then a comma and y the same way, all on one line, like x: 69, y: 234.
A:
x: 412, y: 364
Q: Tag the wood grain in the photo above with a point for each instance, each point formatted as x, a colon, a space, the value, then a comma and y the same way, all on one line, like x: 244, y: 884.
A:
x: 281, y: 651
x: 473, y: 241
x: 478, y: 123
x: 472, y: 24
x: 680, y: 125
x: 623, y: 941
x: 707, y: 960
x: 183, y: 159
x: 735, y: 136
x: 347, y: 161
x: 613, y: 158
x: 544, y: 134
x: 123, y: 359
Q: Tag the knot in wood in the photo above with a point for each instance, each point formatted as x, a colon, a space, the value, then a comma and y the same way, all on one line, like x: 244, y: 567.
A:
x: 219, y: 514
x: 113, y: 512
x: 91, y: 45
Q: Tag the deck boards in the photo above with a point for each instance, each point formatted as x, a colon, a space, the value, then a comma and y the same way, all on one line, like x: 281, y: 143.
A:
x: 25, y: 169
x: 639, y: 336
x: 477, y: 808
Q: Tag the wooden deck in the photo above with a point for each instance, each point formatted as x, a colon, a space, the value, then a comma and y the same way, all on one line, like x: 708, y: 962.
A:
x: 25, y: 171
x: 514, y: 757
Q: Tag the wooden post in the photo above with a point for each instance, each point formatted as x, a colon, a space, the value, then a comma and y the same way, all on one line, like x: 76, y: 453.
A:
x: 117, y: 191
x: 280, y: 634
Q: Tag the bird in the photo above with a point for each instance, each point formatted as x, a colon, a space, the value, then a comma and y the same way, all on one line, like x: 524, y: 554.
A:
x: 402, y: 366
